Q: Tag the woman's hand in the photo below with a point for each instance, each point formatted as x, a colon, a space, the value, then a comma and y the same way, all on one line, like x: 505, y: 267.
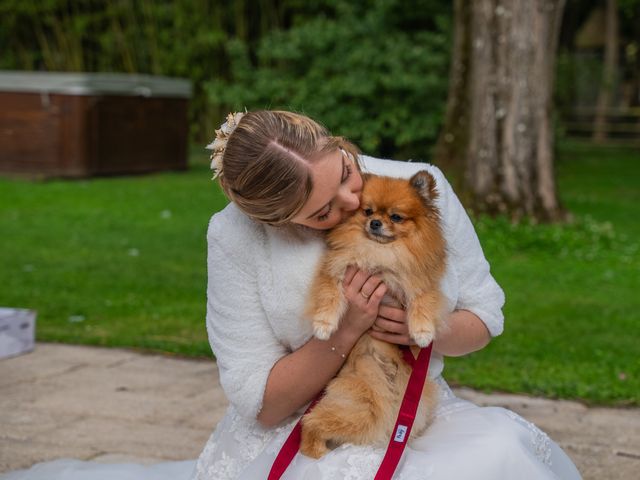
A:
x: 464, y: 332
x: 391, y: 324
x: 364, y: 293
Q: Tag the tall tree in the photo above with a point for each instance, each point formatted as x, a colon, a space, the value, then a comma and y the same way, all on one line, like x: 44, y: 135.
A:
x: 498, y: 128
x: 609, y: 71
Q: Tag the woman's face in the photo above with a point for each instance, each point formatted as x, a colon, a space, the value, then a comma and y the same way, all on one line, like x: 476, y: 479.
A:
x: 337, y: 185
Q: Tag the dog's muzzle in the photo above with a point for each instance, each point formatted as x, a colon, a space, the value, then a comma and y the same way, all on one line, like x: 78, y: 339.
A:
x: 376, y: 231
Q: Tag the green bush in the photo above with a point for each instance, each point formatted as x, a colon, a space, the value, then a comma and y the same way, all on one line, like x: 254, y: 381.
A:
x: 362, y: 69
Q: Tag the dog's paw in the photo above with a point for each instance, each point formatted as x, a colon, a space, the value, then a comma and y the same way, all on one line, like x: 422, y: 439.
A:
x: 323, y: 327
x: 313, y: 446
x: 423, y: 337
x: 323, y: 331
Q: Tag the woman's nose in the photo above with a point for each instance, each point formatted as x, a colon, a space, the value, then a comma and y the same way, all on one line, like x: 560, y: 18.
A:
x: 349, y: 200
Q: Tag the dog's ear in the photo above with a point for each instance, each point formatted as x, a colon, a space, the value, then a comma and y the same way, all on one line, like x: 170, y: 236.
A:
x: 425, y: 185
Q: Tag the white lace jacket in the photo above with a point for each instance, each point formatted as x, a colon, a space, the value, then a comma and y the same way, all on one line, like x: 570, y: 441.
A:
x: 258, y: 279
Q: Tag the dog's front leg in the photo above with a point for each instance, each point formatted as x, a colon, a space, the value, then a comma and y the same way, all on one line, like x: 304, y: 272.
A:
x: 327, y: 304
x: 424, y: 316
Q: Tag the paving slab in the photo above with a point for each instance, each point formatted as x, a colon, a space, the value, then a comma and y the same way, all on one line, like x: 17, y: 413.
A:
x: 115, y: 405
x: 96, y: 403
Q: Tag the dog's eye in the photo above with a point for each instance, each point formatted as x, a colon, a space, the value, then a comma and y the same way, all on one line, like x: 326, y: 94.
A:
x: 368, y: 212
x: 396, y: 218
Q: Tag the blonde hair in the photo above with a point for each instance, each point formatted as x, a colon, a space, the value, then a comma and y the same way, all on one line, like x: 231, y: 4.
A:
x: 266, y: 163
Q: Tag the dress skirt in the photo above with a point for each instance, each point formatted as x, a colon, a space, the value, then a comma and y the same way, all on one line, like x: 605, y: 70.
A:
x: 464, y: 442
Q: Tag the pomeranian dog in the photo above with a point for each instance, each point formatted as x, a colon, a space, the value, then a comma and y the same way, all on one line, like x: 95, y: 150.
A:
x: 396, y: 234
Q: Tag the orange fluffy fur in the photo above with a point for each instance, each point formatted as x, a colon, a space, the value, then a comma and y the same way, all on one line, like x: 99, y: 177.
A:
x: 405, y: 246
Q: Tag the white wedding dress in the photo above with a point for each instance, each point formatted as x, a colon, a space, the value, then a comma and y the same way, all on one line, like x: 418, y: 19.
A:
x: 464, y: 442
x: 258, y: 279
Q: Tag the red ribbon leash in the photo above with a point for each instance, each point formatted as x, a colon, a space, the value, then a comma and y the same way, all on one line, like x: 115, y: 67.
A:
x: 290, y: 447
x: 407, y: 414
x: 401, y: 431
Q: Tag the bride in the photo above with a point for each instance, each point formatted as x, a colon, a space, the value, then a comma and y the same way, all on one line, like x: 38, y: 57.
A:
x: 288, y: 180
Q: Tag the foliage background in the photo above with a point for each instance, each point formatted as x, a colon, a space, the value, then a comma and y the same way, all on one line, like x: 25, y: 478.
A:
x: 374, y: 71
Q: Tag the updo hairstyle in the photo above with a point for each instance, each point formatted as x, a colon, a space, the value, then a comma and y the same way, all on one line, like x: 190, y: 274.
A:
x: 266, y: 163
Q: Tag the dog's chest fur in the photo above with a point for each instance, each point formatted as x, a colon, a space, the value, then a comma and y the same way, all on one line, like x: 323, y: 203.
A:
x: 382, y: 259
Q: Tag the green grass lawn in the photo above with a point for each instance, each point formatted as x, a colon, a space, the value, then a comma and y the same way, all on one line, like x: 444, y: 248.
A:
x: 573, y: 306
x: 121, y: 262
x: 111, y: 261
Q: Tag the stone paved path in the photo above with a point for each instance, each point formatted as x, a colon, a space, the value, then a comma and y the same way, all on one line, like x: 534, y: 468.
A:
x: 116, y: 405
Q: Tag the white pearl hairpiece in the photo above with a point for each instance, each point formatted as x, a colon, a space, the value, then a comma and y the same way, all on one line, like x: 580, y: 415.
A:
x: 220, y: 142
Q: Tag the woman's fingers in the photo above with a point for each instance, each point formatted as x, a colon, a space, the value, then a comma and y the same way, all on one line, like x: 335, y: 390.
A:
x: 361, y: 283
x: 355, y: 281
x: 391, y: 326
x: 367, y: 291
x: 393, y: 313
x: 371, y: 286
x: 349, y: 274
x: 384, y: 325
x: 378, y: 293
x: 363, y: 292
x: 391, y: 337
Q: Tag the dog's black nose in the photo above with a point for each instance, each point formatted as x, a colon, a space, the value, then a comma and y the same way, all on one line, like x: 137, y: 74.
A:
x: 375, y: 224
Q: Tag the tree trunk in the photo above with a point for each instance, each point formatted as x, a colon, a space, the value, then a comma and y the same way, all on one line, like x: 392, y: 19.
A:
x: 608, y: 73
x: 451, y: 147
x: 498, y: 125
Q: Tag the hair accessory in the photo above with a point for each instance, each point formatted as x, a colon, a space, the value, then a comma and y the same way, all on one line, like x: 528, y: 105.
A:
x: 220, y: 142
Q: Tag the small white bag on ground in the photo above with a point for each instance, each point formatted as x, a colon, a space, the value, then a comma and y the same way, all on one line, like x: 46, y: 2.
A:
x: 17, y: 331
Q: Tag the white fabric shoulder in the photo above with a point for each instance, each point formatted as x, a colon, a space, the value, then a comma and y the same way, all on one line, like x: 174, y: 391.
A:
x: 478, y: 290
x: 240, y: 336
x: 236, y: 234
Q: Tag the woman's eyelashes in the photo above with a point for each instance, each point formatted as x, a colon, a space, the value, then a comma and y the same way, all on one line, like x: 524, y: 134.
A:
x: 324, y: 216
